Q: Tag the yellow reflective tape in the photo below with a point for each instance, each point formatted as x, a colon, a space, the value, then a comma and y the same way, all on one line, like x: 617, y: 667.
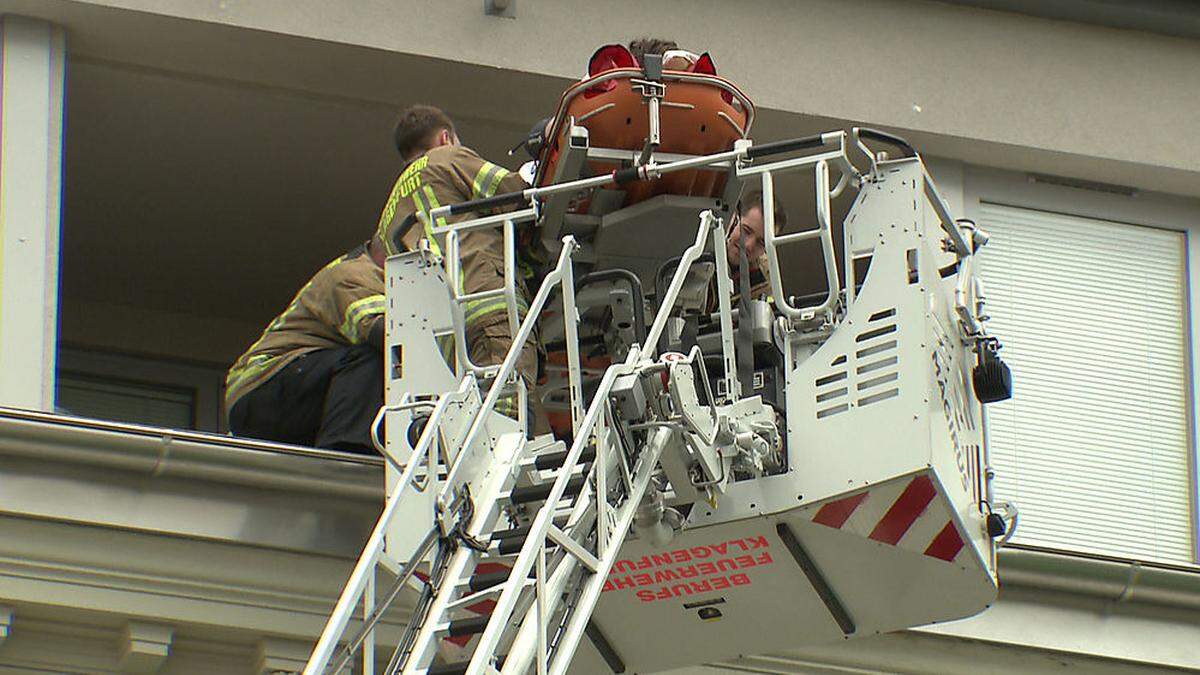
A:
x: 359, y: 310
x: 254, y: 366
x: 278, y: 320
x: 482, y: 179
x: 476, y: 309
x: 507, y: 406
x: 385, y: 219
x: 431, y: 203
x: 445, y: 344
x: 408, y: 181
x: 410, y: 178
x: 373, y: 304
x: 500, y: 175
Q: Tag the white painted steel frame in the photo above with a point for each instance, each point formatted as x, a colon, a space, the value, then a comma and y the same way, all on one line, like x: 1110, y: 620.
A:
x: 535, y: 542
x: 365, y: 567
x: 562, y: 274
x: 542, y: 531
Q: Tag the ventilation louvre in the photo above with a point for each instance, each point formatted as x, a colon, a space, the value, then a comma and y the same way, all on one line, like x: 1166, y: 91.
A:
x: 875, y: 369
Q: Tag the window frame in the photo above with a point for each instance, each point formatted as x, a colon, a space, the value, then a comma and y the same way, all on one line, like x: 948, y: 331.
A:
x: 1169, y: 212
x: 206, y: 381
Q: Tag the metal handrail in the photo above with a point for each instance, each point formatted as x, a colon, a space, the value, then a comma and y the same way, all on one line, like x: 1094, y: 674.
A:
x: 824, y: 232
x: 508, y: 291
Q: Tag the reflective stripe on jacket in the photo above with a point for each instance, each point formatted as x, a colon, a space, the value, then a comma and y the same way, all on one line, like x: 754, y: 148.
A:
x: 338, y: 307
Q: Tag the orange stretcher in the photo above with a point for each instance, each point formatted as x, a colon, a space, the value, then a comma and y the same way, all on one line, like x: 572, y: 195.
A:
x: 698, y: 113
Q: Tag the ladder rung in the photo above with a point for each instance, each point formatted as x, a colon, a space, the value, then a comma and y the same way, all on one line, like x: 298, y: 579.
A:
x: 516, y: 532
x: 534, y: 493
x: 514, y: 545
x: 482, y: 582
x: 522, y: 531
x: 485, y: 295
x: 456, y: 668
x: 511, y: 546
x: 476, y: 597
x: 468, y: 626
x: 554, y: 460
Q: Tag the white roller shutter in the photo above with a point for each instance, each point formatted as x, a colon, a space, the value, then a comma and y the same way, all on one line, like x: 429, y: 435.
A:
x: 155, y: 405
x: 1094, y: 447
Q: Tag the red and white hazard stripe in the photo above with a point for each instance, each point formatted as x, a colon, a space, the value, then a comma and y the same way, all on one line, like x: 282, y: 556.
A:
x: 907, y: 513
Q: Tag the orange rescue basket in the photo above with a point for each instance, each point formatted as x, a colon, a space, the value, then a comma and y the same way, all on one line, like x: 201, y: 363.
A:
x: 700, y: 114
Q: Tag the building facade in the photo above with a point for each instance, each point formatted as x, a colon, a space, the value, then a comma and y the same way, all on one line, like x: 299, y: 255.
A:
x: 172, y: 170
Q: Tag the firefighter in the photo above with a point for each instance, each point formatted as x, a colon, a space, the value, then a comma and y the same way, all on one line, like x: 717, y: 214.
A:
x: 441, y: 171
x: 315, y: 376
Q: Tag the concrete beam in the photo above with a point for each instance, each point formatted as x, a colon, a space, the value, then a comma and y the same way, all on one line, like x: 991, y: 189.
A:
x: 277, y: 657
x: 929, y: 67
x: 144, y: 647
x: 990, y: 88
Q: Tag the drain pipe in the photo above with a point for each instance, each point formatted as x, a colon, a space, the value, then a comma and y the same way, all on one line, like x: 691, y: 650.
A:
x: 1113, y: 579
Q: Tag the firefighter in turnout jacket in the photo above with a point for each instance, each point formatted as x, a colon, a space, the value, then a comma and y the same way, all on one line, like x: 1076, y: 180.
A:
x: 439, y: 172
x: 315, y: 376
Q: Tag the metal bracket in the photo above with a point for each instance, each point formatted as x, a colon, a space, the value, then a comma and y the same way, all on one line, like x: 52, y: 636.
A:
x: 504, y: 8
x: 653, y: 94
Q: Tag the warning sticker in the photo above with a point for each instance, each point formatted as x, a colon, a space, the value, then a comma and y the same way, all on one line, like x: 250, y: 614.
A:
x: 695, y: 569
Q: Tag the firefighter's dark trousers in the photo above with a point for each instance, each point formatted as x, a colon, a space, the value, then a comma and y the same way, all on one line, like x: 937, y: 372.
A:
x: 324, y: 399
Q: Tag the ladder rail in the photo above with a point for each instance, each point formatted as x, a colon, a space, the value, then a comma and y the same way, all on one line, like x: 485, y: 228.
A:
x: 561, y: 272
x: 708, y: 224
x: 374, y: 612
x: 563, y: 276
x: 369, y: 558
x: 517, y: 661
x: 505, y: 605
x: 456, y: 569
x: 581, y: 613
x: 535, y: 542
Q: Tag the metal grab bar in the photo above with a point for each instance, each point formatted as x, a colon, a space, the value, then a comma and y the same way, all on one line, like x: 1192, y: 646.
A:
x: 824, y: 232
x: 459, y: 299
x: 635, y: 289
x: 961, y: 247
x: 650, y: 171
x: 377, y: 423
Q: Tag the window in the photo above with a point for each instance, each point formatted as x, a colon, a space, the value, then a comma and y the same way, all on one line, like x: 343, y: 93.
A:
x: 1095, y: 447
x: 125, y: 388
x: 122, y: 401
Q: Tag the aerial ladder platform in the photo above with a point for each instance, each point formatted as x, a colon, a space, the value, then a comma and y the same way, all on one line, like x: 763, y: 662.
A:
x: 742, y: 475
